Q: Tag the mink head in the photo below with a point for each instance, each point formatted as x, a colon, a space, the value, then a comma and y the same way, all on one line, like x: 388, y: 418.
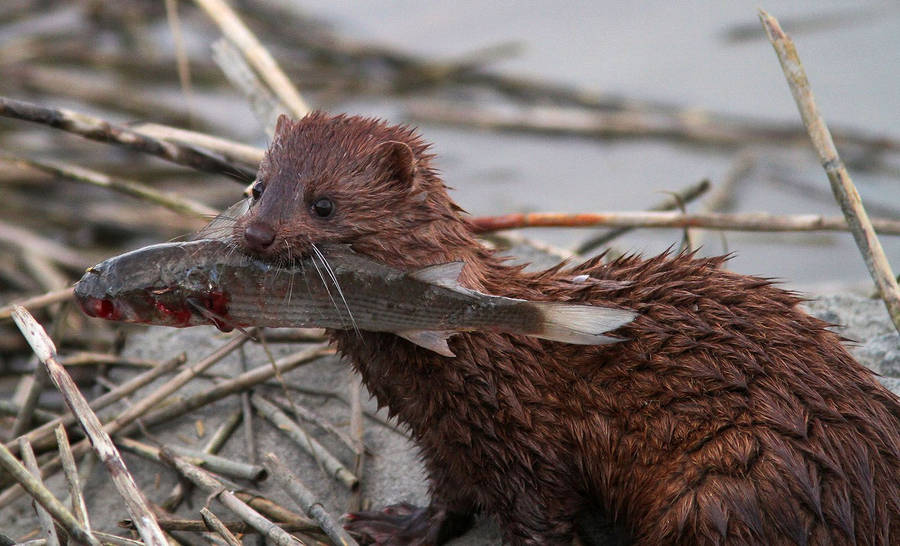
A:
x: 349, y: 179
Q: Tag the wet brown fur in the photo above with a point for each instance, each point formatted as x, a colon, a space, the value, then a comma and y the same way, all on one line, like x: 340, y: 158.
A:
x: 727, y: 414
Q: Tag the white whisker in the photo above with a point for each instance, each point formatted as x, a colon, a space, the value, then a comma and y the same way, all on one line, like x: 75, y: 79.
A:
x: 336, y: 285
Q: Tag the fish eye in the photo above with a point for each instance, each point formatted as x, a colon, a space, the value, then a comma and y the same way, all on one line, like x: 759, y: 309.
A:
x: 256, y: 190
x: 323, y: 207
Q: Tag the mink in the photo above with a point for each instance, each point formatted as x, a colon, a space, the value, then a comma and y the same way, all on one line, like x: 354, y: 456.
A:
x: 725, y: 413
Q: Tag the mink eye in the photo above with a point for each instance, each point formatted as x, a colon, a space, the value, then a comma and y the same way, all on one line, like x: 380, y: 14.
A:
x: 256, y: 190
x: 323, y: 207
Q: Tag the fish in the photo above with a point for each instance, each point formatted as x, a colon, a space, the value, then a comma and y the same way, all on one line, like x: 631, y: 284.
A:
x: 209, y: 282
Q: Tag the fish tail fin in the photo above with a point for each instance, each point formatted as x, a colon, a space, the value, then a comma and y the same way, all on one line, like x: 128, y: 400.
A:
x: 580, y: 324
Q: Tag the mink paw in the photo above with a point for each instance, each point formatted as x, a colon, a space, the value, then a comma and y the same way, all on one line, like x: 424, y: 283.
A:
x: 407, y: 525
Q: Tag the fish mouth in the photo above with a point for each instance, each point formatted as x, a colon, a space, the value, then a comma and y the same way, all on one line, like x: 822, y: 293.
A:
x: 95, y: 302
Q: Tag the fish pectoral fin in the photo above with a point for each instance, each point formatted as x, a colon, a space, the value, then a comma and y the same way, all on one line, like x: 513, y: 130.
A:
x: 446, y: 274
x: 433, y: 340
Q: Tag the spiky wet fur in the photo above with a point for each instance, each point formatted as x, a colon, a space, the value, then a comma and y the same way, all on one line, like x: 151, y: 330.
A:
x: 727, y: 414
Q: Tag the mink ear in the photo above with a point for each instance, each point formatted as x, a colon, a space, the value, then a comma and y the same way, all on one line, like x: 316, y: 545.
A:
x: 283, y: 124
x: 399, y: 161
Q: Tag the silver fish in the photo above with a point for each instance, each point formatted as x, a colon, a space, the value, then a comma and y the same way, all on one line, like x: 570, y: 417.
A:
x: 208, y: 282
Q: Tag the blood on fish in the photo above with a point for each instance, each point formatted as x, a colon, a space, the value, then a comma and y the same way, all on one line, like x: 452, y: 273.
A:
x: 99, y: 307
x: 181, y: 316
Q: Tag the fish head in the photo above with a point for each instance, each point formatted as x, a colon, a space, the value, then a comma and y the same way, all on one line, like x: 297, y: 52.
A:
x: 155, y: 285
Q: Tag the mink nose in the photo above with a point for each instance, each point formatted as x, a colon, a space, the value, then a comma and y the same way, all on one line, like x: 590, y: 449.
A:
x: 259, y: 236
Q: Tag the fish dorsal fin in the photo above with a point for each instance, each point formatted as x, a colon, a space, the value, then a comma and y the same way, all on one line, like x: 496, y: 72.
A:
x: 446, y: 274
x: 220, y: 226
x: 429, y: 339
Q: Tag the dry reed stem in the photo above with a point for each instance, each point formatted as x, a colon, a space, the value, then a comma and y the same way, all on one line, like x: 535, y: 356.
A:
x: 841, y: 184
x: 8, y: 407
x: 685, y: 195
x: 240, y: 527
x: 99, y: 129
x: 215, y: 488
x: 751, y: 221
x: 29, y: 241
x: 71, y: 472
x: 257, y: 55
x: 305, y: 499
x: 693, y: 127
x: 134, y: 499
x: 48, y: 530
x: 232, y: 151
x: 333, y: 467
x: 357, y: 431
x: 215, y: 443
x: 171, y: 201
x: 43, y: 432
x: 42, y: 495
x: 88, y: 358
x: 721, y: 198
x: 215, y: 524
x: 182, y: 62
x: 265, y: 106
x: 302, y: 412
x: 38, y: 302
x: 214, y: 463
x: 238, y: 384
x: 137, y: 410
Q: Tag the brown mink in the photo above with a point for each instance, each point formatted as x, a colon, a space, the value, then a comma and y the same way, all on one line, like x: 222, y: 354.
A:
x: 725, y: 415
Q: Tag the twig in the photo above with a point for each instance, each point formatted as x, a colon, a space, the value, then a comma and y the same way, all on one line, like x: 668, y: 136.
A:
x: 238, y: 34
x: 87, y: 358
x: 136, y: 411
x: 215, y: 443
x: 304, y: 498
x: 95, y: 128
x: 134, y: 499
x: 841, y: 183
x: 265, y: 106
x: 216, y: 525
x: 214, y: 487
x: 46, y: 522
x: 108, y: 538
x: 240, y: 527
x: 721, y: 197
x: 171, y: 201
x: 246, y: 412
x: 39, y: 380
x: 42, y: 433
x: 38, y: 302
x: 231, y: 150
x: 71, y: 471
x: 556, y: 121
x: 753, y: 221
x: 33, y: 242
x: 686, y: 195
x: 239, y: 383
x: 357, y: 430
x: 8, y: 407
x: 215, y: 463
x: 42, y: 495
x: 308, y: 415
x: 181, y: 57
x: 286, y: 425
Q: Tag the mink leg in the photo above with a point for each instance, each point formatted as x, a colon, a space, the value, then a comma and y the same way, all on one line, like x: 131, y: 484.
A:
x: 407, y: 525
